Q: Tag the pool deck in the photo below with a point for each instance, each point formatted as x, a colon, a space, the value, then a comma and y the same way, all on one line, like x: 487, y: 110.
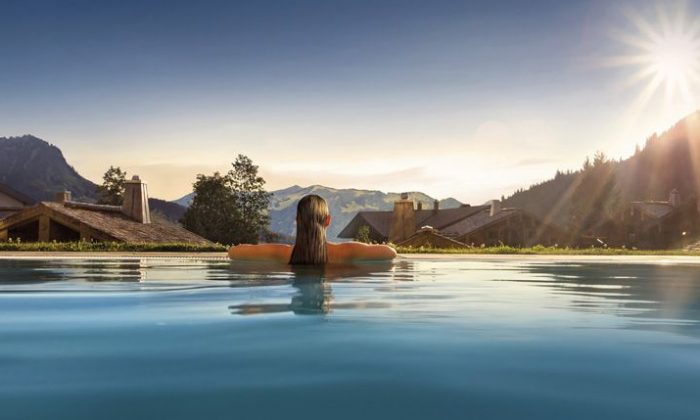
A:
x: 221, y: 256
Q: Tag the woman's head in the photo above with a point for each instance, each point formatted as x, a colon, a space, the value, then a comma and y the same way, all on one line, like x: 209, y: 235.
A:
x: 313, y: 217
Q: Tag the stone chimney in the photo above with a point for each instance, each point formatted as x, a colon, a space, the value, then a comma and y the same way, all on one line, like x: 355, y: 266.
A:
x: 495, y: 207
x: 436, y: 205
x: 136, y: 200
x: 674, y: 198
x: 62, y: 197
x: 403, y: 220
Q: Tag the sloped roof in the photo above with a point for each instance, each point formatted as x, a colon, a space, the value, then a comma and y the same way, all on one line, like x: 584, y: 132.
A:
x: 22, y: 198
x: 109, y: 221
x: 479, y: 220
x: 441, y: 219
x: 6, y: 213
x: 446, y: 217
x: 380, y: 221
x: 655, y: 209
x: 429, y: 238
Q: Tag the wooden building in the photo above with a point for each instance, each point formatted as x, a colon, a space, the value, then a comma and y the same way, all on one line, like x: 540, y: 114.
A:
x: 487, y: 225
x: 659, y: 224
x: 12, y: 201
x: 64, y: 220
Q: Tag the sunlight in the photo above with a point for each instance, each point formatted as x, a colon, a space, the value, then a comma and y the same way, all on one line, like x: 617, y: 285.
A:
x: 674, y: 61
x: 665, y: 55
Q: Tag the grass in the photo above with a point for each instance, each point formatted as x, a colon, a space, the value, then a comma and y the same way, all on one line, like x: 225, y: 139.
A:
x: 108, y: 247
x: 187, y: 247
x: 543, y: 250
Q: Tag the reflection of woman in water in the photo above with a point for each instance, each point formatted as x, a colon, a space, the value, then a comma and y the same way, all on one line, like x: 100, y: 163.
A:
x: 311, y: 246
x: 312, y: 284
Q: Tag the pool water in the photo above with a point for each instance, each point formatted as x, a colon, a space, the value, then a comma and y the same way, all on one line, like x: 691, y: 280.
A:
x: 442, y: 339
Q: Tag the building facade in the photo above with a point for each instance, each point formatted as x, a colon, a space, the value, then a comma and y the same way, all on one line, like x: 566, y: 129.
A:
x: 486, y: 225
x: 64, y: 220
x: 12, y: 201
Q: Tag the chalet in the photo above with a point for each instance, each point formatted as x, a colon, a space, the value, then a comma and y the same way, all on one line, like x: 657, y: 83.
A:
x: 660, y: 224
x: 12, y: 201
x: 487, y: 225
x: 64, y: 220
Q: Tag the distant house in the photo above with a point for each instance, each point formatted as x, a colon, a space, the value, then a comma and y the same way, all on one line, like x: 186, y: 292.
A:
x: 468, y: 225
x: 660, y: 224
x: 64, y: 220
x: 12, y: 201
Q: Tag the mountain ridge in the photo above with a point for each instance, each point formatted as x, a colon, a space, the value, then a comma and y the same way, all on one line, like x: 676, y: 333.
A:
x: 39, y: 169
x: 670, y: 160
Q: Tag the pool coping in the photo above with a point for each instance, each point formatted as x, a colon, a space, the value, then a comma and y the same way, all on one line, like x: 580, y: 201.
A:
x: 33, y: 255
x: 222, y: 256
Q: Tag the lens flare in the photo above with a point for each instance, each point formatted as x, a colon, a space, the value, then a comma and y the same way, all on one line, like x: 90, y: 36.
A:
x: 664, y: 55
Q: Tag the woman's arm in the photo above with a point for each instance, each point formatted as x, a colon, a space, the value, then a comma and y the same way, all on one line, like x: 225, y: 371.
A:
x: 359, y: 251
x: 262, y: 252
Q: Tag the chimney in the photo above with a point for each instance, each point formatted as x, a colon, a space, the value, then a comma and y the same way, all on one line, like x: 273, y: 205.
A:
x: 674, y: 198
x: 495, y: 207
x: 136, y: 200
x: 419, y: 206
x: 62, y: 197
x: 436, y: 205
x: 403, y: 220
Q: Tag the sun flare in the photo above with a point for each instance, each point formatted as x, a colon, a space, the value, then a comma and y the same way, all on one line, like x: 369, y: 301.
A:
x: 664, y: 54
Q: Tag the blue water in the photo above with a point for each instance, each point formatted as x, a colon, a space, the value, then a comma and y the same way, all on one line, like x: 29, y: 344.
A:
x: 440, y: 339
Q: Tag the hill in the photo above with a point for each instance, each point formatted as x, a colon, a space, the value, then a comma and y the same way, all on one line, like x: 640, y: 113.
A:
x: 169, y: 210
x: 667, y: 161
x: 38, y: 169
x: 343, y: 203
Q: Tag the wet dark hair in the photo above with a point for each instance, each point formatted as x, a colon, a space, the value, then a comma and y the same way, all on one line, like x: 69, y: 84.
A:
x: 310, y: 244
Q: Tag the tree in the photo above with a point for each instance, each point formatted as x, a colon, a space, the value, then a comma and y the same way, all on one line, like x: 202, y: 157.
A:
x: 112, y: 189
x: 363, y: 234
x: 251, y: 199
x: 231, y: 208
x: 586, y: 164
x: 212, y: 213
x: 595, y: 199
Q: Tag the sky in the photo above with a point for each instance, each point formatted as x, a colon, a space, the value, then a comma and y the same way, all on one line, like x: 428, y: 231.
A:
x: 464, y: 99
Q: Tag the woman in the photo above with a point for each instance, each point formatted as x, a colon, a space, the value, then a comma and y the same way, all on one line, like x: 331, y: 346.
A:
x: 311, y: 246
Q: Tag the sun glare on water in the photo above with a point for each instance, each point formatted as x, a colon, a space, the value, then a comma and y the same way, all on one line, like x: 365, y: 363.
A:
x: 664, y: 55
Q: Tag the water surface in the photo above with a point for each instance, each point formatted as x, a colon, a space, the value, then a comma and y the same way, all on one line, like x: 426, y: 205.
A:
x: 444, y: 338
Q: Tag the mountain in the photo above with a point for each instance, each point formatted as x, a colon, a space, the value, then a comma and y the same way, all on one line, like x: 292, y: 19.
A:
x: 668, y: 161
x: 38, y: 169
x: 185, y: 200
x: 343, y: 203
x: 168, y: 209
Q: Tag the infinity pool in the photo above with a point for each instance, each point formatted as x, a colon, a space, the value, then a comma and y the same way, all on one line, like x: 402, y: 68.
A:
x: 437, y: 339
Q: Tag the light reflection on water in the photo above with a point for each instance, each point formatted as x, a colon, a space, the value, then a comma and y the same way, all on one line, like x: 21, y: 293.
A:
x: 494, y: 339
